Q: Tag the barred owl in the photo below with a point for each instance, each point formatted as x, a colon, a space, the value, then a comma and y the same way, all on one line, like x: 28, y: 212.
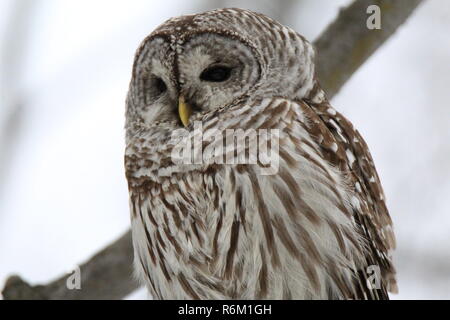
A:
x: 317, y: 227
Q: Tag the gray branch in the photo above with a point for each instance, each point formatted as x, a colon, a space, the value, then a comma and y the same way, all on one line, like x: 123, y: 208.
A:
x: 344, y: 46
x: 347, y: 42
x: 107, y: 275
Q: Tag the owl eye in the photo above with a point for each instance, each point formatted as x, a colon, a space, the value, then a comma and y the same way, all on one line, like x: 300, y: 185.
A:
x: 216, y: 74
x: 159, y: 85
x: 155, y: 86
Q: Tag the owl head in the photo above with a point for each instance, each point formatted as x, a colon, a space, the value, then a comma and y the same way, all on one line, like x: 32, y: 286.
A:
x: 201, y: 65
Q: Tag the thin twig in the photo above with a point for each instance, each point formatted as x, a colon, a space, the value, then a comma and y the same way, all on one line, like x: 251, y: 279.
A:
x: 344, y: 46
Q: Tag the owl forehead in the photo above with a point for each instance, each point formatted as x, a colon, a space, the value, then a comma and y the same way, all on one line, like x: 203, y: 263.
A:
x: 178, y: 31
x: 277, y: 49
x: 229, y: 21
x: 254, y: 30
x: 270, y: 40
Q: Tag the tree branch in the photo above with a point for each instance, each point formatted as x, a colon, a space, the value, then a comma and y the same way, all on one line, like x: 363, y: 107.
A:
x: 347, y: 42
x: 344, y: 46
x: 107, y: 275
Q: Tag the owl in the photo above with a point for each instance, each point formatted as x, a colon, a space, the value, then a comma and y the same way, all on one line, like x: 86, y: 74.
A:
x: 314, y: 227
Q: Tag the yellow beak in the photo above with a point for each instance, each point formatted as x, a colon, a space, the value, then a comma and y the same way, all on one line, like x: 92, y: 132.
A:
x: 184, y: 110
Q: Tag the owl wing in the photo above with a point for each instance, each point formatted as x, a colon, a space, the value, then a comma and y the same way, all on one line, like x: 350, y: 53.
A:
x: 352, y: 157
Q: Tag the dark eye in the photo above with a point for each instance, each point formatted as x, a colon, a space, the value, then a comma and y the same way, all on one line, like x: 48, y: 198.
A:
x: 216, y: 74
x: 159, y: 85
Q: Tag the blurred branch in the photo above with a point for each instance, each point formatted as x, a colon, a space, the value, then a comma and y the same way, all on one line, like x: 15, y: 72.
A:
x: 107, y: 275
x: 14, y: 41
x: 343, y: 48
x: 347, y: 43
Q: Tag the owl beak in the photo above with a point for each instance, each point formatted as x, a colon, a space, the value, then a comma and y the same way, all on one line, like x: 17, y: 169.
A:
x: 184, y: 110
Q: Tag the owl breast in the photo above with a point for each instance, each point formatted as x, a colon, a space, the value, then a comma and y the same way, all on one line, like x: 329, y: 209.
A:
x: 218, y: 231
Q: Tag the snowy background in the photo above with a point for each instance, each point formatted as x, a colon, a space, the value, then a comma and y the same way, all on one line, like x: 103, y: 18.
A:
x: 64, y: 73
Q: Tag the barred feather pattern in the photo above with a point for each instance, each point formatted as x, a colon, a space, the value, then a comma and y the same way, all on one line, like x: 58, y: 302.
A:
x: 220, y: 231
